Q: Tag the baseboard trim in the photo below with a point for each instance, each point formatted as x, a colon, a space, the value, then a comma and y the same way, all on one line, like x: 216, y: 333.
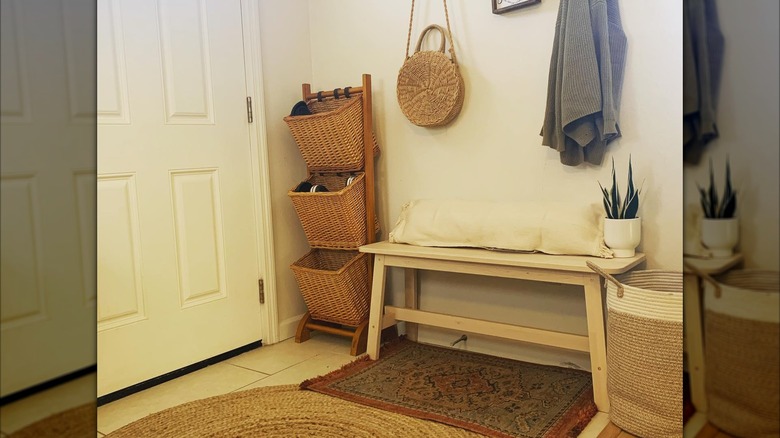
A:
x: 138, y: 387
x: 18, y: 395
x: 289, y: 326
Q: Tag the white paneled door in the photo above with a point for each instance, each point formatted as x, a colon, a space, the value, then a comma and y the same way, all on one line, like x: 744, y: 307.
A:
x: 177, y: 242
x: 47, y: 181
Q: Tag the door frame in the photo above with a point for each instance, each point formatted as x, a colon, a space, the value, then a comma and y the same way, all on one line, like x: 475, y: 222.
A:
x: 261, y: 180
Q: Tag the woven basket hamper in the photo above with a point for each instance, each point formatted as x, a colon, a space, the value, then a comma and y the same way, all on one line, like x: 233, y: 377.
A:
x: 335, y: 219
x: 331, y: 138
x: 645, y: 353
x: 334, y: 285
x: 742, y: 352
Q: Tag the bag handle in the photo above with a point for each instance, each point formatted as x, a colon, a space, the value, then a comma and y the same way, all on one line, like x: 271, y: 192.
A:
x: 605, y: 274
x: 706, y: 277
x: 448, y: 34
x: 425, y: 32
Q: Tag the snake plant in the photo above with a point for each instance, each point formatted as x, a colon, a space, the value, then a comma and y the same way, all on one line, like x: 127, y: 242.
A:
x: 715, y: 207
x: 628, y: 208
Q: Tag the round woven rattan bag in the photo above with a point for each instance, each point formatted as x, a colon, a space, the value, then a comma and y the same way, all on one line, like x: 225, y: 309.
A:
x: 430, y: 88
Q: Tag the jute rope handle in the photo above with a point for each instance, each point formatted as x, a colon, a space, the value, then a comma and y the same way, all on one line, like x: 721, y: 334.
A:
x: 706, y: 277
x: 609, y: 277
x: 425, y: 32
x: 449, y: 34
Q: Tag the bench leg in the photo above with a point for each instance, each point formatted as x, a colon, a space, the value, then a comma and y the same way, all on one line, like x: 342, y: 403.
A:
x: 411, y: 289
x: 596, y: 339
x: 377, y: 307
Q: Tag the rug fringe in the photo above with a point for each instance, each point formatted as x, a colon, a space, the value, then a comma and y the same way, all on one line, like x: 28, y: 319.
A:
x: 339, y: 372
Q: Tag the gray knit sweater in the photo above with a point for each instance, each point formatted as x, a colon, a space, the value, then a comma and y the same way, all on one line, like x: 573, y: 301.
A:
x: 585, y: 81
x: 702, y: 65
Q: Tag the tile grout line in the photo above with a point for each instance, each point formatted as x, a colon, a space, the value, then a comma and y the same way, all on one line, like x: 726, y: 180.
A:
x: 285, y: 368
x: 242, y: 387
x: 269, y: 375
x: 265, y: 376
x: 250, y: 369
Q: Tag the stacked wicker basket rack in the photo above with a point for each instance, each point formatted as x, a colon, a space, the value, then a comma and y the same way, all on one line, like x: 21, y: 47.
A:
x: 338, y: 145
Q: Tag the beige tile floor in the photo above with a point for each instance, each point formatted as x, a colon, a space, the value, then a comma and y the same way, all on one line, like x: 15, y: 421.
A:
x: 278, y: 364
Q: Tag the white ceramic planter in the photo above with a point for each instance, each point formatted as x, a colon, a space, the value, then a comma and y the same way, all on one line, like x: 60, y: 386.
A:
x: 622, y: 236
x: 720, y: 236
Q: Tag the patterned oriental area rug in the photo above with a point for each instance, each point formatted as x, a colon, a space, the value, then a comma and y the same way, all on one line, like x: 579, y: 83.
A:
x: 489, y: 395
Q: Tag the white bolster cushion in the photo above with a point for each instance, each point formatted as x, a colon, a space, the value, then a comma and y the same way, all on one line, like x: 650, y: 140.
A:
x: 548, y: 227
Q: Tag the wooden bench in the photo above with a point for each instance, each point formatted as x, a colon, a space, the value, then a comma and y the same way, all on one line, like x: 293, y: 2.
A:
x: 535, y: 267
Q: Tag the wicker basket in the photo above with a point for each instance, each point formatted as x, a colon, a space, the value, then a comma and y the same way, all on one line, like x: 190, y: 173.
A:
x: 644, y: 352
x: 335, y: 219
x: 331, y: 138
x: 334, y: 285
x: 742, y: 352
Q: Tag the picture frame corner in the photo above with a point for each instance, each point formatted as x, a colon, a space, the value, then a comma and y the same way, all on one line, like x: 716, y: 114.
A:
x: 521, y: 4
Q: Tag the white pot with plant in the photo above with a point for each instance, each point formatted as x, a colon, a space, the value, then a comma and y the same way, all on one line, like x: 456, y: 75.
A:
x: 719, y: 226
x: 622, y: 226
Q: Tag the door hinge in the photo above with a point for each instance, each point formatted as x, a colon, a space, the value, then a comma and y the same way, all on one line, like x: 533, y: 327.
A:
x: 261, y: 290
x: 249, y: 109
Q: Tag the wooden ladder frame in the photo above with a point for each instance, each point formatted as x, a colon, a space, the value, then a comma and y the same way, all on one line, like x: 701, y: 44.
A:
x: 359, y: 334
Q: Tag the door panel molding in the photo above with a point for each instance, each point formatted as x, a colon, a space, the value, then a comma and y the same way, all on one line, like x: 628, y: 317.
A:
x: 119, y: 239
x: 112, y: 108
x: 15, y: 103
x: 199, y: 235
x: 80, y: 63
x: 84, y: 187
x: 187, y: 86
x: 24, y: 300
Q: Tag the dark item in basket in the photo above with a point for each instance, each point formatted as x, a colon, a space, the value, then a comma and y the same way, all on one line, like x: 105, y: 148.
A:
x: 331, y: 138
x: 300, y: 109
x: 306, y: 186
x: 337, y: 219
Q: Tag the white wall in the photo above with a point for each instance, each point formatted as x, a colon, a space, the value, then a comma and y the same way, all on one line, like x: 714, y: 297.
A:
x: 286, y: 52
x: 493, y: 149
x: 747, y: 118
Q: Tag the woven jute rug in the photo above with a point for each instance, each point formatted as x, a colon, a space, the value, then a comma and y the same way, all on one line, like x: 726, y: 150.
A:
x: 485, y: 394
x: 79, y: 422
x: 281, y: 411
